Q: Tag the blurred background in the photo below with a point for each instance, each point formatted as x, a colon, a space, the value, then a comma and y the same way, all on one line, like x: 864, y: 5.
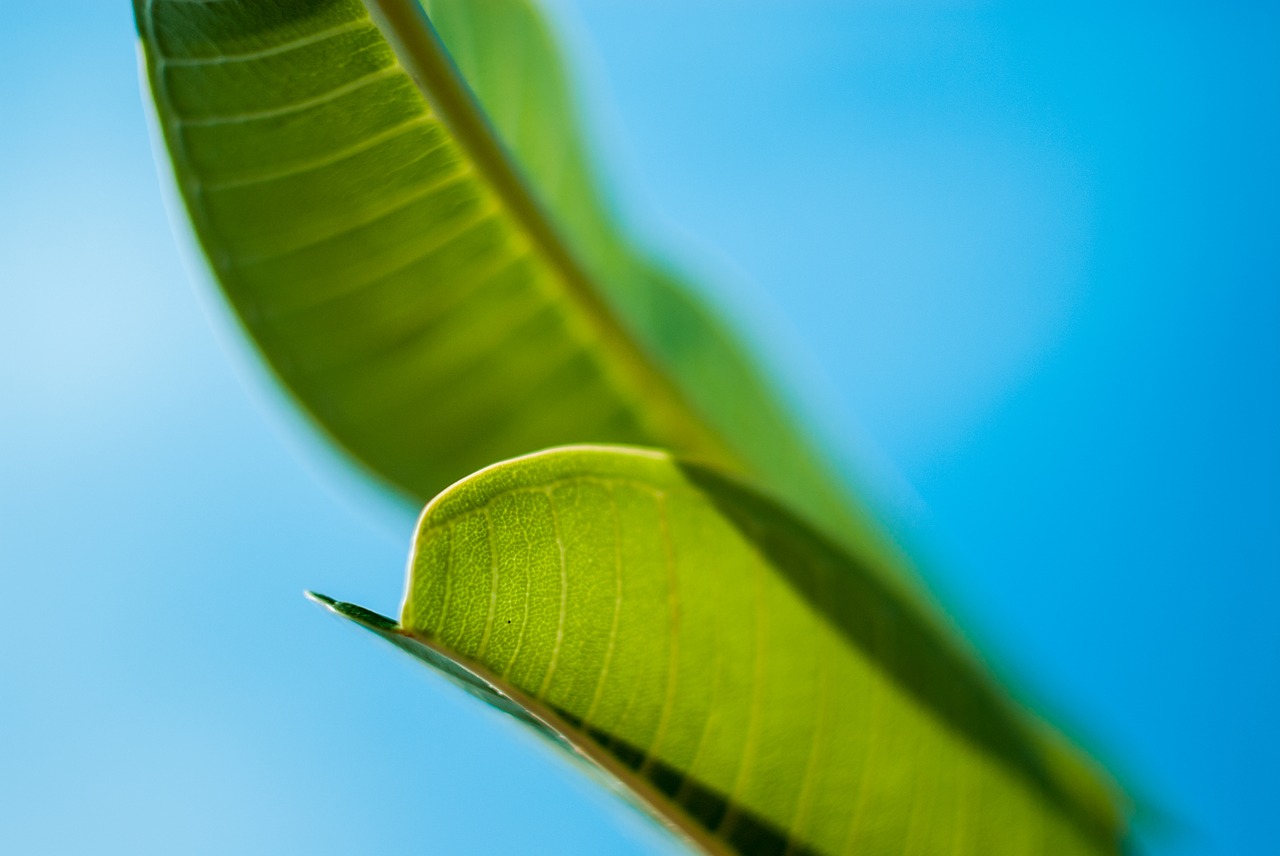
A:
x: 1020, y: 258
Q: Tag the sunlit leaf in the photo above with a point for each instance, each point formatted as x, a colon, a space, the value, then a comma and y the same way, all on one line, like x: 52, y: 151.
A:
x: 752, y: 683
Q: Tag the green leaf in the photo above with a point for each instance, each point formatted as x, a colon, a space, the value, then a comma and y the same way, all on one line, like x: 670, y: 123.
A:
x: 753, y: 684
x: 441, y: 286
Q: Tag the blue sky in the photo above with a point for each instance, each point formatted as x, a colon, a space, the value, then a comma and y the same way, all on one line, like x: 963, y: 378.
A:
x: 1017, y: 260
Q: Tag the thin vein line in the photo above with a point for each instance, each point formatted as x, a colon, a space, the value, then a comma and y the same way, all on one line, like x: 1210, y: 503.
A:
x: 168, y: 114
x: 717, y: 663
x: 617, y: 608
x: 481, y: 356
x: 312, y: 164
x: 519, y: 491
x: 284, y: 47
x: 564, y: 599
x: 628, y: 707
x: 295, y: 106
x: 351, y: 225
x: 524, y: 623
x: 673, y: 653
x: 586, y: 409
x: 493, y: 585
x: 482, y: 214
x: 730, y: 819
x: 462, y: 292
x: 921, y: 796
x: 874, y: 727
x: 448, y: 583
x: 427, y: 586
x: 578, y: 348
x: 826, y: 655
x: 472, y: 290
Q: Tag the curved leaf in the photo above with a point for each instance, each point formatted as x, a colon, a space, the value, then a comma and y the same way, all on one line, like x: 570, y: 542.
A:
x: 508, y: 55
x: 435, y: 302
x: 754, y: 685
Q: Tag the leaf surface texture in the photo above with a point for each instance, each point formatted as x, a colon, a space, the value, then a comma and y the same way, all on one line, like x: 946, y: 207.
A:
x: 747, y: 678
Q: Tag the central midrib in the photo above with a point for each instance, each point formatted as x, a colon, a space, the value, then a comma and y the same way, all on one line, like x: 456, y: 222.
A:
x: 418, y: 48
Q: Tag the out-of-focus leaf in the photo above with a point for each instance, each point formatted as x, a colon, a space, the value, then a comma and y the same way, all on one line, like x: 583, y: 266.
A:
x: 751, y: 683
x: 441, y: 286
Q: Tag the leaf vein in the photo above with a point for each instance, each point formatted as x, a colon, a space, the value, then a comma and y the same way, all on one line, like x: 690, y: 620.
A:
x: 302, y: 167
x: 274, y: 50
x: 673, y: 652
x: 617, y: 609
x: 826, y: 654
x: 730, y: 819
x: 293, y: 107
x: 352, y: 224
x: 493, y: 585
x: 564, y: 595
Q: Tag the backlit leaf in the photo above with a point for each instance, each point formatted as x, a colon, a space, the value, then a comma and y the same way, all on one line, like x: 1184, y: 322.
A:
x: 751, y: 682
x: 440, y: 286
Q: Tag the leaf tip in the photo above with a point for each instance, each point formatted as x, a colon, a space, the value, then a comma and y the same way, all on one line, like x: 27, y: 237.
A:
x: 322, y: 599
x: 365, y: 617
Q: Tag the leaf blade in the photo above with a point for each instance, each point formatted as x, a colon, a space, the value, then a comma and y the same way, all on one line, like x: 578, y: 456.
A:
x: 773, y: 693
x: 388, y: 249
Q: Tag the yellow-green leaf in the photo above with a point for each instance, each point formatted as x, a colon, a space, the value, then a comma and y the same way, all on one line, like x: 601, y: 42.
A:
x: 753, y: 684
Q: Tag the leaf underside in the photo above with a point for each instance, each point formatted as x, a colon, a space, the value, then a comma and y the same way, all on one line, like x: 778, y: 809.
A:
x: 424, y: 258
x: 750, y: 680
